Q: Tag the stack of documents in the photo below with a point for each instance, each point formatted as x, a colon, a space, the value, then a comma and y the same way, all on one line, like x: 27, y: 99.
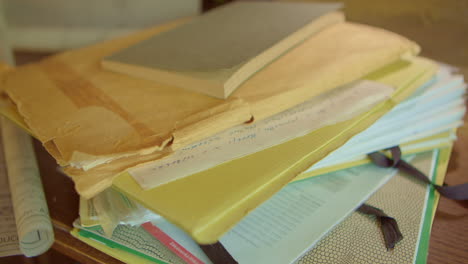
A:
x: 162, y: 169
x: 289, y: 224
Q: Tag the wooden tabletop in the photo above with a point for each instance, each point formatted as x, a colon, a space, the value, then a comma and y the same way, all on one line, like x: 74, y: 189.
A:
x: 442, y: 38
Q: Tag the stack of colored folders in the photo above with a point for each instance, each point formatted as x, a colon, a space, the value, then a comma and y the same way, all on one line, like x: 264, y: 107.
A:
x: 192, y: 169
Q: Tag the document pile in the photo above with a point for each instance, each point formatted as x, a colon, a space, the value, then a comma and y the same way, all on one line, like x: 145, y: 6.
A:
x: 170, y: 174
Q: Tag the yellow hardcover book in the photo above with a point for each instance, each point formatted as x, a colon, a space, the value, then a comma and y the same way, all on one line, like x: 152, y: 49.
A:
x: 209, y: 203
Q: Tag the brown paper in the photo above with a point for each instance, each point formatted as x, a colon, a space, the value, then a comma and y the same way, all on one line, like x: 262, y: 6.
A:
x: 88, y: 118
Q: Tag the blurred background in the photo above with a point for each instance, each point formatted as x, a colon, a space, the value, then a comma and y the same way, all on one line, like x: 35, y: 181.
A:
x: 51, y: 25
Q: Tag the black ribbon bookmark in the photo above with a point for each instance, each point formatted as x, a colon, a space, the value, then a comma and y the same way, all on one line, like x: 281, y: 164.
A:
x: 218, y: 254
x: 388, y: 225
x: 456, y: 192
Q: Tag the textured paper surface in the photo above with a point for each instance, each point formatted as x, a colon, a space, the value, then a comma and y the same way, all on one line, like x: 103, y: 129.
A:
x: 359, y: 239
x: 113, y: 249
x: 137, y: 239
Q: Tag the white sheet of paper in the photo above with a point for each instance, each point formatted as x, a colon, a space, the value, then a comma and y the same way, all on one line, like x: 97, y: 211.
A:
x: 33, y: 223
x: 300, y: 214
x: 336, y: 106
x: 437, y: 108
x: 293, y: 220
x: 8, y: 234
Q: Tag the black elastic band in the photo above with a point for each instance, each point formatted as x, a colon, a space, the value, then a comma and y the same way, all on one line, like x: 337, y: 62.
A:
x: 388, y: 225
x: 218, y: 254
x: 456, y: 192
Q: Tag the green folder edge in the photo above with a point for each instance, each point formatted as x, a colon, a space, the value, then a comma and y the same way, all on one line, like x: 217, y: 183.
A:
x: 442, y: 158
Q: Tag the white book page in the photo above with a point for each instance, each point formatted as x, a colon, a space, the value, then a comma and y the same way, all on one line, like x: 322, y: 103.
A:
x: 437, y: 108
x: 287, y: 225
x: 401, y: 134
x: 293, y: 220
x: 426, y: 145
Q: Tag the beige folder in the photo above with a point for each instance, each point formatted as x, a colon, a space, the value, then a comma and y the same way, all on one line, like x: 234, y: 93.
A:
x: 98, y: 122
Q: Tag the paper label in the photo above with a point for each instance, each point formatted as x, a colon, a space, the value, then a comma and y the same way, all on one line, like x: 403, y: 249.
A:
x: 327, y: 109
